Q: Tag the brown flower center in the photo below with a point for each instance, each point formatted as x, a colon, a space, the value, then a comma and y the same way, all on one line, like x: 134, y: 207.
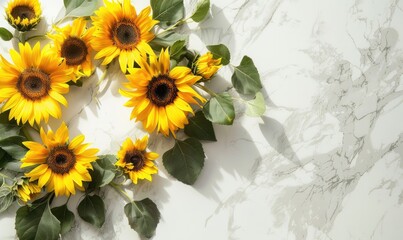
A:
x: 23, y: 11
x: 162, y: 90
x: 74, y: 51
x: 125, y: 35
x: 136, y: 158
x: 61, y: 159
x: 33, y: 84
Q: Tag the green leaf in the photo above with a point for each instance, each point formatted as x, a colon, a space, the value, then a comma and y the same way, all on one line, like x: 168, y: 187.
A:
x: 5, y: 34
x: 166, y: 39
x: 220, y: 51
x: 246, y: 79
x: 185, y: 160
x: 80, y: 8
x: 13, y: 165
x: 220, y: 109
x: 11, y: 142
x: 256, y: 107
x: 202, y: 8
x: 143, y: 216
x: 36, y: 223
x: 92, y: 210
x: 169, y: 11
x: 13, y: 146
x: 200, y: 128
x: 71, y: 4
x: 5, y: 158
x: 79, y: 83
x: 65, y: 216
x: 8, y: 130
x: 178, y: 50
x: 6, y: 197
x: 104, y: 171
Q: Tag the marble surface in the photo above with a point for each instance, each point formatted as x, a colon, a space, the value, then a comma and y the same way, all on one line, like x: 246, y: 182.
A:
x: 324, y: 162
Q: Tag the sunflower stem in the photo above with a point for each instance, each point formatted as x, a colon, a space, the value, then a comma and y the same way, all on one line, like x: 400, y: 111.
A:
x: 172, y: 27
x: 206, y: 89
x: 60, y: 20
x: 51, y: 197
x: 36, y: 36
x: 22, y: 37
x: 121, y: 191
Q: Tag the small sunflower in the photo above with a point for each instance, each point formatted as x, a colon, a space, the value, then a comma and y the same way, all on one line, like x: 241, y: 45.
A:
x: 32, y: 87
x: 60, y: 166
x: 207, y: 66
x: 23, y: 15
x: 136, y: 161
x: 26, y: 191
x: 72, y: 43
x: 160, y: 96
x: 119, y: 31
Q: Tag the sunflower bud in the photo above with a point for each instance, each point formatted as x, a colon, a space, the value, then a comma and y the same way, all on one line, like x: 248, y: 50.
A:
x: 26, y: 191
x: 23, y: 15
x: 207, y: 66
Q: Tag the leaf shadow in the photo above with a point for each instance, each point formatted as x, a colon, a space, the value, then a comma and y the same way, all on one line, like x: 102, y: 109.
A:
x: 276, y: 136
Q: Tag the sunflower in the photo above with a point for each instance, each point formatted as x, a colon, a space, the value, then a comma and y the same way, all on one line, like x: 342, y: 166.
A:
x: 136, y: 161
x: 207, y: 66
x: 27, y: 190
x: 60, y: 166
x: 73, y: 44
x: 119, y: 31
x: 161, y: 96
x: 23, y: 15
x: 32, y: 87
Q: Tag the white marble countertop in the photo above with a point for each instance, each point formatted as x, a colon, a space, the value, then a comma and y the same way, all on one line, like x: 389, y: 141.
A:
x: 324, y: 162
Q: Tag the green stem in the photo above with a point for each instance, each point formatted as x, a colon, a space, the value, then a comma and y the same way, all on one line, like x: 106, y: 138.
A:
x: 206, y: 89
x: 67, y: 200
x: 121, y: 191
x: 51, y: 197
x: 60, y: 21
x: 22, y: 37
x: 36, y: 36
x: 180, y: 22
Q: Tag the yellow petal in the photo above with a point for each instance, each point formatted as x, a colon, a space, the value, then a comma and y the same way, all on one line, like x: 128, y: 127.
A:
x: 62, y: 134
x: 43, y: 180
x: 76, y: 141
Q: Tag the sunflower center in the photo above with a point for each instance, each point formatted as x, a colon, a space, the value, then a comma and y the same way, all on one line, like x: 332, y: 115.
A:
x: 61, y: 159
x: 125, y: 34
x: 23, y: 12
x: 33, y: 84
x: 136, y: 158
x: 162, y: 90
x: 74, y: 51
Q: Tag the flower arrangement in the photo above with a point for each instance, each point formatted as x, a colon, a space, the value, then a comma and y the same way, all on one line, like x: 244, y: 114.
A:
x: 166, y: 89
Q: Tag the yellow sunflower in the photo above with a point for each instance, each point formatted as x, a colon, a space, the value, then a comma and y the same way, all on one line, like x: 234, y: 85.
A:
x: 160, y: 96
x: 26, y: 190
x: 73, y: 44
x: 119, y: 31
x: 62, y: 166
x: 207, y: 66
x: 136, y: 161
x: 23, y: 15
x: 32, y: 87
